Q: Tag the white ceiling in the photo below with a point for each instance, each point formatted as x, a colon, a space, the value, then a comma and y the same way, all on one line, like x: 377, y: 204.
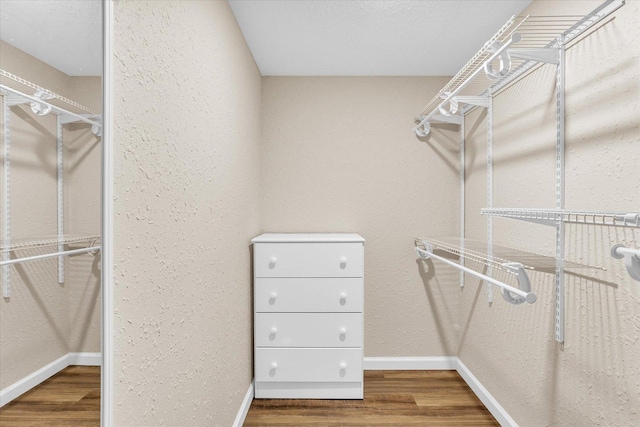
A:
x: 288, y: 37
x: 66, y: 34
x: 368, y: 37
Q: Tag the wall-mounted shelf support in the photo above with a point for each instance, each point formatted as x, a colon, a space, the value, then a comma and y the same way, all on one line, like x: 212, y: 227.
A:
x: 60, y: 199
x: 631, y: 259
x: 456, y: 120
x: 478, y: 101
x: 548, y: 55
x: 490, y: 189
x: 560, y: 187
x: 96, y: 127
x: 523, y: 283
x: 6, y: 194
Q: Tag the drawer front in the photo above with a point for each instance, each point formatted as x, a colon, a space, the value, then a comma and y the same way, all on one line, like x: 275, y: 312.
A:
x: 308, y: 259
x: 306, y: 364
x: 339, y: 295
x: 308, y: 330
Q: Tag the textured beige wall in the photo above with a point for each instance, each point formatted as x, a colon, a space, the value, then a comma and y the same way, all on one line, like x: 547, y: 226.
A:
x: 186, y: 159
x: 338, y: 155
x: 44, y: 320
x: 595, y: 378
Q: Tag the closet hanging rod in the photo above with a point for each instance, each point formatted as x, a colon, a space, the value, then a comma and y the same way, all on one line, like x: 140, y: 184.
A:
x: 54, y: 108
x: 51, y: 255
x: 529, y: 297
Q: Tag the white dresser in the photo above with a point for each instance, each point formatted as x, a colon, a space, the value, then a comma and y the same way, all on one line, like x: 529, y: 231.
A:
x: 308, y: 322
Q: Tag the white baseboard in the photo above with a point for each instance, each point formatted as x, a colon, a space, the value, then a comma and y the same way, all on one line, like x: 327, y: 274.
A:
x: 244, y: 407
x: 30, y: 381
x: 485, y: 397
x: 85, y: 359
x: 440, y: 363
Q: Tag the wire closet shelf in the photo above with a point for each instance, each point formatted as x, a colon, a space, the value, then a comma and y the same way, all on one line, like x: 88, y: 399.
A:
x: 554, y: 216
x: 75, y: 244
x: 496, y: 256
x: 44, y: 101
x: 522, y: 43
x: 510, y: 260
x: 6, y: 77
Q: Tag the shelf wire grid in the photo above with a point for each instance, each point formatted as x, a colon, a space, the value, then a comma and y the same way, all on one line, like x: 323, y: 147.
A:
x: 536, y: 32
x: 477, y: 251
x: 7, y: 76
x: 621, y: 219
x: 49, y: 241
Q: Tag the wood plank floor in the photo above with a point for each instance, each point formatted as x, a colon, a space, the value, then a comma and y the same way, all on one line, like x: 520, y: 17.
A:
x: 391, y: 398
x: 69, y: 398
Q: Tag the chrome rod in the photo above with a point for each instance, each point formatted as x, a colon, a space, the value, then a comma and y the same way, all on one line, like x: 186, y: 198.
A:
x: 52, y: 255
x: 529, y: 297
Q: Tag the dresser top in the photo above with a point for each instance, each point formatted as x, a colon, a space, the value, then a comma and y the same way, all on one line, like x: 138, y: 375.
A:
x: 308, y: 238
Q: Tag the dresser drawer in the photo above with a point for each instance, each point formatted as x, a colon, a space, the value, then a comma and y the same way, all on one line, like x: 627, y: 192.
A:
x: 304, y: 364
x: 308, y: 259
x: 308, y: 330
x: 308, y: 295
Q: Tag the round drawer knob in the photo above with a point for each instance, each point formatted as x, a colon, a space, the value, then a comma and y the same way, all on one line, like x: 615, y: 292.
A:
x: 274, y: 295
x: 274, y: 365
x: 274, y: 330
x: 343, y: 365
x: 343, y: 331
x: 343, y: 296
x: 273, y: 260
x: 343, y: 262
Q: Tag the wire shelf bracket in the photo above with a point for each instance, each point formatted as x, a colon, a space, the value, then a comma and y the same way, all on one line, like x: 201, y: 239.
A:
x: 631, y: 259
x: 548, y: 55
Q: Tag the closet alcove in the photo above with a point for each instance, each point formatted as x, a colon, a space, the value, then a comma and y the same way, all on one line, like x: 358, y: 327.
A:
x: 50, y: 197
